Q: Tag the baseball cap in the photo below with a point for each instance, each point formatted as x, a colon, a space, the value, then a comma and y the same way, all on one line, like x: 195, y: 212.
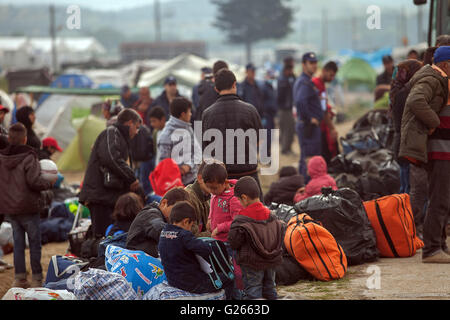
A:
x: 51, y: 142
x: 309, y: 56
x: 442, y: 54
x: 250, y: 66
x: 4, y: 109
x: 206, y: 70
x: 170, y: 79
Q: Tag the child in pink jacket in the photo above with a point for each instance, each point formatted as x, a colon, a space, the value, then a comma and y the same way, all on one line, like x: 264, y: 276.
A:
x: 317, y: 170
x: 224, y: 205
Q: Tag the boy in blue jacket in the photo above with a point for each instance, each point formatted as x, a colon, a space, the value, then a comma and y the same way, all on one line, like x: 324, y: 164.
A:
x: 178, y: 248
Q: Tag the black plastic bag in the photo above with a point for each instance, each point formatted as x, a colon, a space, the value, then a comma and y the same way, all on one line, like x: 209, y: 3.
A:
x: 290, y: 272
x: 283, y: 212
x: 342, y: 213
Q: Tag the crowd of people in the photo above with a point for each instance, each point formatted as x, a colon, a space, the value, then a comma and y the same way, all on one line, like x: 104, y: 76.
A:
x: 222, y: 198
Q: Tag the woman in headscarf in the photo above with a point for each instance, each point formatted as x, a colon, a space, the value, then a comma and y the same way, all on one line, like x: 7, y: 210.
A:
x: 26, y: 116
x: 398, y: 94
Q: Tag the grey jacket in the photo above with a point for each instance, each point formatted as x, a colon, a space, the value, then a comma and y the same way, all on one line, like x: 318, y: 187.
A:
x: 177, y: 141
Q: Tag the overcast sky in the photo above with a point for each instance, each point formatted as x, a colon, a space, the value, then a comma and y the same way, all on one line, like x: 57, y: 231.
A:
x: 106, y: 5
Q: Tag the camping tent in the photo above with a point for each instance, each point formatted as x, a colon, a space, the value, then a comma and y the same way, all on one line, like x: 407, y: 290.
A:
x: 356, y: 72
x: 68, y: 81
x: 57, y: 112
x: 76, y: 156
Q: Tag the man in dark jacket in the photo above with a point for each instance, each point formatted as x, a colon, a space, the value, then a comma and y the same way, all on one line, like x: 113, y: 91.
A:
x: 256, y: 235
x: 284, y: 190
x: 309, y: 113
x: 249, y: 90
x: 145, y: 230
x: 269, y: 107
x: 285, y: 103
x: 206, y: 73
x: 109, y: 174
x: 231, y: 113
x: 207, y: 92
x: 166, y: 97
x: 21, y: 183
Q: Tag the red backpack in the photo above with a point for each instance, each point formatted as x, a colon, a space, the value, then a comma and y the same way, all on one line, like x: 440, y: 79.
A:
x: 166, y: 176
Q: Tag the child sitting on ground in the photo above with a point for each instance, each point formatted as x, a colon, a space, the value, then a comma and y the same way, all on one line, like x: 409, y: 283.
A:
x: 21, y: 183
x: 283, y: 190
x: 127, y: 208
x: 200, y: 199
x: 317, y: 170
x: 178, y: 248
x: 146, y: 228
x: 256, y: 235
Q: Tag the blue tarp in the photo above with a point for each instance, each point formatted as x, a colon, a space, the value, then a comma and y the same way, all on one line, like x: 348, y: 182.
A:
x: 69, y: 81
x: 372, y: 58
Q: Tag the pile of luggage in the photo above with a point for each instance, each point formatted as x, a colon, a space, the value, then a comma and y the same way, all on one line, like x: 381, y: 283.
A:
x: 368, y: 164
x: 329, y: 232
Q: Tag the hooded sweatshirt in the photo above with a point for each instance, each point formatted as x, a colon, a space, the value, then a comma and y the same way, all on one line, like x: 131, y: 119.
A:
x: 21, y: 181
x: 317, y: 170
x: 223, y: 209
x: 177, y: 136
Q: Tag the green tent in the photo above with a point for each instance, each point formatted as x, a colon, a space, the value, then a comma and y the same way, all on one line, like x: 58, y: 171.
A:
x: 76, y: 156
x: 357, y: 72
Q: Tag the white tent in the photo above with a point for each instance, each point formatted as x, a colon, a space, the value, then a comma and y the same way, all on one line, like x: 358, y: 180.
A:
x: 55, y: 115
x: 6, y: 101
x: 186, y: 68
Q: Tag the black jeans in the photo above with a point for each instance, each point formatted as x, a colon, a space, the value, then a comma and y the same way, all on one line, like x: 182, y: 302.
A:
x: 100, y: 217
x: 434, y: 233
x: 419, y: 189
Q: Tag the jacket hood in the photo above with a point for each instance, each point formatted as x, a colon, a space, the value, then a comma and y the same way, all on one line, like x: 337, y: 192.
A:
x: 428, y: 71
x: 13, y: 155
x: 204, y: 86
x: 256, y: 211
x: 317, y: 167
x: 124, y: 130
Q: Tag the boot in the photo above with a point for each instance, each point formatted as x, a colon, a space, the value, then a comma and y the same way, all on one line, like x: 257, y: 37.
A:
x: 439, y: 257
x: 36, y: 281
x: 20, y: 281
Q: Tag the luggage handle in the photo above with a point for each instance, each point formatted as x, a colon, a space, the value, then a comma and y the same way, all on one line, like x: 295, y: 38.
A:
x: 78, y: 264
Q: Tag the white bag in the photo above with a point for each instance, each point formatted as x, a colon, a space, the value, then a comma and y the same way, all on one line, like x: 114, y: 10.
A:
x: 38, y: 294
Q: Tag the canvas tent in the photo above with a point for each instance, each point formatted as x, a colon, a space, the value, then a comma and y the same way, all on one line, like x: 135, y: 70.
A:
x: 56, y: 115
x: 76, y: 156
x: 356, y: 72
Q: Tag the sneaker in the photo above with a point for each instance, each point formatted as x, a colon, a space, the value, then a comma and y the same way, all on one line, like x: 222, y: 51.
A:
x: 447, y: 251
x: 439, y: 257
x: 21, y: 283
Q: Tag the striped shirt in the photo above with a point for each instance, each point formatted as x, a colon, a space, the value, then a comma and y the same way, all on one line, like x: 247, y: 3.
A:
x: 439, y: 141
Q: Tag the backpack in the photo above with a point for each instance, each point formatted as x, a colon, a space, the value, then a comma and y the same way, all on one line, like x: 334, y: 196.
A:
x: 290, y: 272
x: 166, y: 176
x: 342, y: 213
x: 315, y: 248
x: 220, y: 263
x: 392, y: 219
x: 142, y: 145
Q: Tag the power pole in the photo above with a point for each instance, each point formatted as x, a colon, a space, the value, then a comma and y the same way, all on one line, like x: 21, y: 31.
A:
x: 354, y: 25
x: 324, y: 31
x: 419, y: 23
x: 157, y: 16
x: 53, y: 37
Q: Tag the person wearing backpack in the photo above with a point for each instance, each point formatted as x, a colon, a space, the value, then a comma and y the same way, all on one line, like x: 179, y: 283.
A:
x: 145, y: 229
x: 256, y: 235
x: 21, y: 183
x: 178, y: 248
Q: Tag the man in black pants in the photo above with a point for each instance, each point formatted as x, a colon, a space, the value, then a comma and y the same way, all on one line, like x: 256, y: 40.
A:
x: 230, y: 112
x: 110, y: 157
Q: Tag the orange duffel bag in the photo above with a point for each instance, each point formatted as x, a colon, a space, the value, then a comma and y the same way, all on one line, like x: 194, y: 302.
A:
x: 315, y: 248
x: 393, y: 221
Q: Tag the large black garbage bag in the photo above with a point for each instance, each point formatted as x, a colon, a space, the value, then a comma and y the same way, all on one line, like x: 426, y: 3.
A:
x: 283, y: 212
x: 342, y: 213
x: 290, y: 272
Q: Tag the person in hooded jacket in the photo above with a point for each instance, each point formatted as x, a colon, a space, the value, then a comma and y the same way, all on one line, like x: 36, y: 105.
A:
x: 109, y: 174
x: 317, y: 170
x: 21, y: 184
x: 27, y: 117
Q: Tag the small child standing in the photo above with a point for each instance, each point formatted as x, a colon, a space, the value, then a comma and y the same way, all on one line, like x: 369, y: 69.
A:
x: 21, y: 183
x: 178, y: 248
x: 157, y: 117
x: 256, y: 235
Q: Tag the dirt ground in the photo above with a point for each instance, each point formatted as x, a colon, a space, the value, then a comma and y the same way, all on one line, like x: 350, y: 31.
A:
x: 399, y: 279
